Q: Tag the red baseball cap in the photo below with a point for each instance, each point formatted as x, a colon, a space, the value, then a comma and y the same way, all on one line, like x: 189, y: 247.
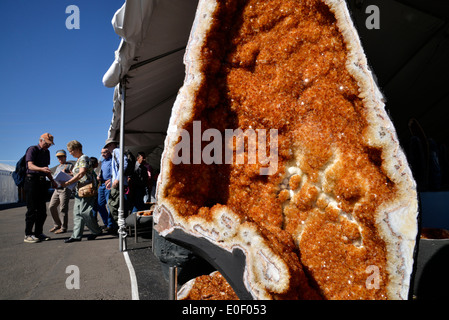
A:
x: 48, y: 138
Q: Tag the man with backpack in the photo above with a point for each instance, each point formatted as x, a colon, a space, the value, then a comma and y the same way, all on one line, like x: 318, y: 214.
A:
x: 37, y: 160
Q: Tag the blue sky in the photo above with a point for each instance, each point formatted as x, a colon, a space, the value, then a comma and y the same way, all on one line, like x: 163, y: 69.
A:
x: 52, y: 76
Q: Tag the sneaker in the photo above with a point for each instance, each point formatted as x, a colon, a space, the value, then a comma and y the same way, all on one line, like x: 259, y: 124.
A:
x: 43, y: 237
x: 31, y: 239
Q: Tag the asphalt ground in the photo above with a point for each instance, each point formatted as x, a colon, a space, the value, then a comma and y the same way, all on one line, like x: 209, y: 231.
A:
x: 86, y: 270
x: 46, y: 271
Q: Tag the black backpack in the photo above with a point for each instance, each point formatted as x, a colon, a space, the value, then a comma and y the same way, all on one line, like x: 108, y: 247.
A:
x: 129, y: 169
x: 20, y: 173
x: 140, y: 176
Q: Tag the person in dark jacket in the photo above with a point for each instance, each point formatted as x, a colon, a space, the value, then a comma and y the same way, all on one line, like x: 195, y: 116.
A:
x: 139, y: 183
x: 36, y: 186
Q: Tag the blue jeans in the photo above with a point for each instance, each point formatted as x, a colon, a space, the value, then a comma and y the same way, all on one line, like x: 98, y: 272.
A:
x: 103, y: 197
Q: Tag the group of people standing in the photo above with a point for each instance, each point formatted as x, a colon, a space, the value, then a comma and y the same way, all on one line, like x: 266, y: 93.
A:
x: 105, y: 201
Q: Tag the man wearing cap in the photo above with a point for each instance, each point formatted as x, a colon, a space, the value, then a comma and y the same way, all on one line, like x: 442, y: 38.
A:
x: 104, y: 189
x: 61, y: 196
x: 37, y: 160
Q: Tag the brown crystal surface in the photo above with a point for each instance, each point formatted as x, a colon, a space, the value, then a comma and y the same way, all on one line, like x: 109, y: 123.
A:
x: 211, y: 287
x: 282, y: 65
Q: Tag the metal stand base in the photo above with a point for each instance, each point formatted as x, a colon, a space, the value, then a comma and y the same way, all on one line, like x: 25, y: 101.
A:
x: 173, y: 283
x: 122, y: 242
x: 230, y: 264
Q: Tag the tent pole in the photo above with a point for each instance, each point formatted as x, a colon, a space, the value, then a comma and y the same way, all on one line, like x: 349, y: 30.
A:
x: 121, y: 210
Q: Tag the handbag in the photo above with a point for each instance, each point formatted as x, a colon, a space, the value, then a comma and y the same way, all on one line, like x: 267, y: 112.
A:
x: 87, y: 191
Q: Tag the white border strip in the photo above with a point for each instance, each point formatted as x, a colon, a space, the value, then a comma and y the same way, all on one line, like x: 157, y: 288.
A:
x: 132, y: 275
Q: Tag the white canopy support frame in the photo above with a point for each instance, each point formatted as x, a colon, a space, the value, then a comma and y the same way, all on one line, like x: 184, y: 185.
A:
x: 147, y: 73
x: 121, y: 211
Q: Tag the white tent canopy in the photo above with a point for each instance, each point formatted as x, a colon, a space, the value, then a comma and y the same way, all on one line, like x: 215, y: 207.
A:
x: 149, y: 64
x: 147, y: 73
x: 8, y: 188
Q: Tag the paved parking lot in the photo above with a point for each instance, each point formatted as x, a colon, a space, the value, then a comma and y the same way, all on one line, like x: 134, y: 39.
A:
x: 86, y: 270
